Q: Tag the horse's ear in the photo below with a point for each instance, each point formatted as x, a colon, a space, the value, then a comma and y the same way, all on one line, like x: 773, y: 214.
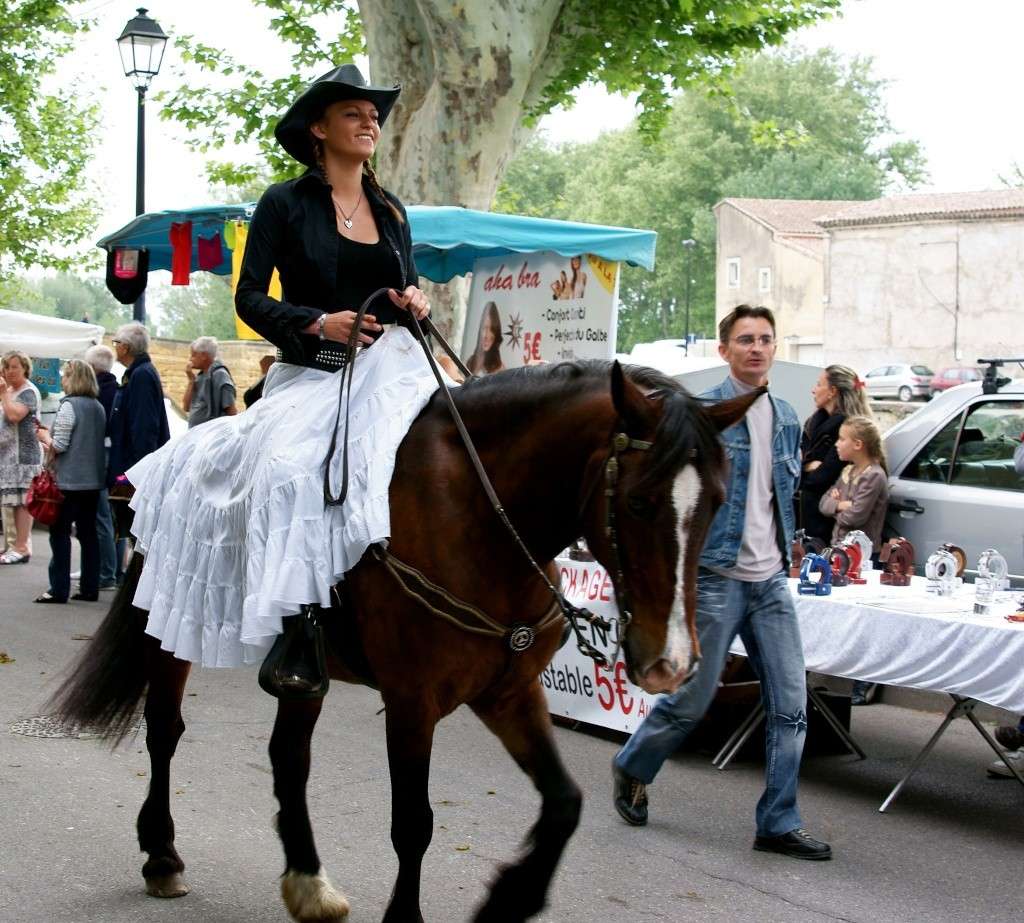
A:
x: 726, y: 413
x: 630, y: 403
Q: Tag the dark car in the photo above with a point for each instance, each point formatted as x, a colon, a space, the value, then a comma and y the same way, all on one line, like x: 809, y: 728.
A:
x: 953, y: 376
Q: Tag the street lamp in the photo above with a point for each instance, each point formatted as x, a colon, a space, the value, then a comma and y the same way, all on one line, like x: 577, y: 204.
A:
x: 141, y: 44
x: 688, y: 246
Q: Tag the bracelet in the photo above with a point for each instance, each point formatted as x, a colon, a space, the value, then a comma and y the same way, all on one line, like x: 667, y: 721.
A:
x: 320, y: 326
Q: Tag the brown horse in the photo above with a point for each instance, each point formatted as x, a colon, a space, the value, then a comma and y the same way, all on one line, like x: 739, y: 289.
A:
x: 546, y: 437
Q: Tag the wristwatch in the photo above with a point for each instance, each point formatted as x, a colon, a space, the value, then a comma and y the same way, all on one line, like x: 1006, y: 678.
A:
x: 320, y: 326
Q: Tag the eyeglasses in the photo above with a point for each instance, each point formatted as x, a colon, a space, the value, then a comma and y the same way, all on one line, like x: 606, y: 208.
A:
x: 746, y: 340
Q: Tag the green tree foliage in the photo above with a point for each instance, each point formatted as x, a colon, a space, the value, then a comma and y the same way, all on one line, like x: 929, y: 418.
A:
x: 788, y: 125
x: 45, y: 139
x: 649, y: 46
x: 205, y: 307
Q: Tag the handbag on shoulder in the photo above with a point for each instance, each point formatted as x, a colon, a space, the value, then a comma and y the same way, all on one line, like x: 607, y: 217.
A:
x: 44, y: 498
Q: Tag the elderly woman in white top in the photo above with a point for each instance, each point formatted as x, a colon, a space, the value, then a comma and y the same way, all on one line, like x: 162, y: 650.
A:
x: 20, y: 457
x: 80, y: 462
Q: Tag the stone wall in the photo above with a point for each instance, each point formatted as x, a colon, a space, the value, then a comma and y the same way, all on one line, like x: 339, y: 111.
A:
x: 242, y: 357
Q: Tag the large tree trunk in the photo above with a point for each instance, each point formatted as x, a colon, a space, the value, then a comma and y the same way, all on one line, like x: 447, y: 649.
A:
x: 468, y: 70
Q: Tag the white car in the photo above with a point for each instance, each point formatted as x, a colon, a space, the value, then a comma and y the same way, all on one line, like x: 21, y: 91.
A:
x: 900, y: 380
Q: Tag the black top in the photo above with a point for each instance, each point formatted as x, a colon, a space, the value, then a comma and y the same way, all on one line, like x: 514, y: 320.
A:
x: 818, y: 443
x: 295, y: 229
x: 359, y: 267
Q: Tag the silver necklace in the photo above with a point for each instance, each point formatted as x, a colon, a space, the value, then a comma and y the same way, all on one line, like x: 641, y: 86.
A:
x: 347, y: 219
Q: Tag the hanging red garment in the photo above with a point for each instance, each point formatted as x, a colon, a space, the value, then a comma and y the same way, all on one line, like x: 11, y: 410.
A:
x: 181, y: 252
x: 211, y: 254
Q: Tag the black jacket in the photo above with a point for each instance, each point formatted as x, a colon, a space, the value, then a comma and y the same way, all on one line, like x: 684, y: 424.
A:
x: 818, y: 443
x: 295, y: 229
x: 108, y: 390
x: 138, y: 421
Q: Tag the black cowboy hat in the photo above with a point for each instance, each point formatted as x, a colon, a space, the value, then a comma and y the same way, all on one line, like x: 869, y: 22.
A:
x: 345, y: 82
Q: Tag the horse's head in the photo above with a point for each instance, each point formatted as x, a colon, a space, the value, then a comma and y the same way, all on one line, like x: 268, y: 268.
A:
x: 649, y: 517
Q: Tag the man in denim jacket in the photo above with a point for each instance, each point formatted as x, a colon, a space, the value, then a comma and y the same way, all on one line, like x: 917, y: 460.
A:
x: 742, y: 590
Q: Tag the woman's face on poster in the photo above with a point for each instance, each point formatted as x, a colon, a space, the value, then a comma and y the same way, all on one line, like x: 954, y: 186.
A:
x: 487, y: 337
x: 575, y: 263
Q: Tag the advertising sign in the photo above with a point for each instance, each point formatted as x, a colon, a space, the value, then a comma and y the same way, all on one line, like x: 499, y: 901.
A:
x: 575, y: 686
x: 530, y: 308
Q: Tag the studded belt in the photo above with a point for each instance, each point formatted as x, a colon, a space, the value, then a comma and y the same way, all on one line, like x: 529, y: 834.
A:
x: 330, y: 357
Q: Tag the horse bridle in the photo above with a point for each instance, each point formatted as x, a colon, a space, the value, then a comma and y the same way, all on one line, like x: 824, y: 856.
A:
x: 520, y: 637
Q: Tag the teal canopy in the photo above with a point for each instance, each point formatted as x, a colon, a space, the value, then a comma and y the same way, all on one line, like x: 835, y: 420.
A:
x: 446, y: 240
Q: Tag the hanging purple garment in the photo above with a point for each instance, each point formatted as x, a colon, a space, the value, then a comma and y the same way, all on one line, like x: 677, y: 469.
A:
x: 211, y: 254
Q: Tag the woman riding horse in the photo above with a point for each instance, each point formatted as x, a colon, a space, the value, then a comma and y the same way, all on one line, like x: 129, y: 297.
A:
x: 231, y: 520
x: 237, y: 532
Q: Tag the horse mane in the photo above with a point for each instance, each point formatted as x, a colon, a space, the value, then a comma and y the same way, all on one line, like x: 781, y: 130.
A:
x: 684, y: 432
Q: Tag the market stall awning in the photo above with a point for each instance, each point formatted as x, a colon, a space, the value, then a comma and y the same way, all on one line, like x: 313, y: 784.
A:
x: 52, y: 337
x: 446, y: 240
x: 152, y: 231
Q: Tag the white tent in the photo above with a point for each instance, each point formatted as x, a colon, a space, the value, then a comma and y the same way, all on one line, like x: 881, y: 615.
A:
x: 46, y: 337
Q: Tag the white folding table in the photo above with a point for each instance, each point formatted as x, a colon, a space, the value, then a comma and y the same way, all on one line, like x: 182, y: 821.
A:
x: 902, y: 636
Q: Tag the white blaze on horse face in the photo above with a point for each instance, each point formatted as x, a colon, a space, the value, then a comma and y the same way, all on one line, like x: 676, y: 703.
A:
x: 685, y: 494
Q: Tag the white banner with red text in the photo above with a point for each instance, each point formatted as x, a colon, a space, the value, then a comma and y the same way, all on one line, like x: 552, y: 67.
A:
x: 575, y: 686
x: 530, y: 308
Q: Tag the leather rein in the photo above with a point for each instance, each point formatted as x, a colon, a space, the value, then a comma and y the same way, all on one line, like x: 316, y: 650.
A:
x: 414, y: 584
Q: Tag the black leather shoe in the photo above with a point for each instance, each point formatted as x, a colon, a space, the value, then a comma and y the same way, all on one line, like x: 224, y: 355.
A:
x: 797, y: 844
x: 296, y: 666
x: 630, y: 797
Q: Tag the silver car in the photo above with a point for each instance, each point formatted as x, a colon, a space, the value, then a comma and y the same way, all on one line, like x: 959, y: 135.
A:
x: 899, y: 380
x: 952, y: 475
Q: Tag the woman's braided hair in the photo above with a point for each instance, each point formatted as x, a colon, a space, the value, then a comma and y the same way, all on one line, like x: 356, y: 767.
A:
x: 368, y: 172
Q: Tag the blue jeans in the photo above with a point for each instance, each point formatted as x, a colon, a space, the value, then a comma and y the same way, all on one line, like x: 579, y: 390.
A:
x: 105, y: 535
x: 762, y: 614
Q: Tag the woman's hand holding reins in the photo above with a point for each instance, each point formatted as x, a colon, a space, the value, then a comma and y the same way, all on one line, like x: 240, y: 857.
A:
x: 411, y: 300
x: 338, y: 327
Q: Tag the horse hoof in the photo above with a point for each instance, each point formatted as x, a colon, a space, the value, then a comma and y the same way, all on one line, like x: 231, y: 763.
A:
x: 167, y: 886
x: 312, y: 898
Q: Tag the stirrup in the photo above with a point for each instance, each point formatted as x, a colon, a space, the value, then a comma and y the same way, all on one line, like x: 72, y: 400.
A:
x: 296, y: 666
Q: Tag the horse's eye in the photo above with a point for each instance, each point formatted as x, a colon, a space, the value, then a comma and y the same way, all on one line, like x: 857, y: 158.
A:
x: 640, y: 507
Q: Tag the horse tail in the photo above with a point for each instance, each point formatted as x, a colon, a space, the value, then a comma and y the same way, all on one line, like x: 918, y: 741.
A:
x: 106, y: 682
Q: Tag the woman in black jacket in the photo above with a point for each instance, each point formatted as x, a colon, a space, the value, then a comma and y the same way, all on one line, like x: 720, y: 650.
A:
x: 232, y: 518
x: 838, y: 393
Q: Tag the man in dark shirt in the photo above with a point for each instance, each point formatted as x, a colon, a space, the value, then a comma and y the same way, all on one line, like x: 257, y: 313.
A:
x: 138, y: 419
x: 253, y: 394
x: 211, y: 390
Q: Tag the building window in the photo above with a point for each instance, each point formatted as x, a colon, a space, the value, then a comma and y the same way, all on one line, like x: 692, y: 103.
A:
x: 732, y: 272
x: 764, y: 280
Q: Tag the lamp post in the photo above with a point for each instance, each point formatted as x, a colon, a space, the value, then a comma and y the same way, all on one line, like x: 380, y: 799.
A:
x: 688, y: 246
x: 141, y: 44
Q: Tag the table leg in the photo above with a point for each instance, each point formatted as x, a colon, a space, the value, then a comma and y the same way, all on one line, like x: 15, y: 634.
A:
x: 739, y: 737
x: 959, y: 708
x: 969, y: 713
x: 836, y: 725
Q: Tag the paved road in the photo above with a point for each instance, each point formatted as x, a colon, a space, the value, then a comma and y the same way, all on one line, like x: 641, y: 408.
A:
x: 952, y: 848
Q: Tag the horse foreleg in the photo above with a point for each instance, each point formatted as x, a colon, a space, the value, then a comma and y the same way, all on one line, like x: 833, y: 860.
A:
x: 410, y: 734
x: 522, y: 723
x: 164, y: 727
x: 305, y: 889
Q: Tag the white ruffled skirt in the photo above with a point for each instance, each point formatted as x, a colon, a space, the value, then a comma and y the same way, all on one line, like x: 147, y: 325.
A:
x: 231, y: 517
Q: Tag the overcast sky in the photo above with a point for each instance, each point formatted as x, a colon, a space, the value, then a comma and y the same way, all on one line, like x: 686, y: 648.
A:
x: 954, y: 67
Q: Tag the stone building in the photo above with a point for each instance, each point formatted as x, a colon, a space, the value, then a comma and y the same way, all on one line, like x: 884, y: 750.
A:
x: 771, y: 252
x: 932, y: 278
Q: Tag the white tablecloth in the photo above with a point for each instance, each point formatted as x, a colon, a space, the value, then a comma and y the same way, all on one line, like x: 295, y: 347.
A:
x: 901, y: 636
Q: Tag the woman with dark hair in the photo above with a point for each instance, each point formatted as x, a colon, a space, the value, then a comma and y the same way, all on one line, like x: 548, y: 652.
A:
x: 838, y: 393
x: 486, y: 357
x: 237, y: 535
x: 578, y: 282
